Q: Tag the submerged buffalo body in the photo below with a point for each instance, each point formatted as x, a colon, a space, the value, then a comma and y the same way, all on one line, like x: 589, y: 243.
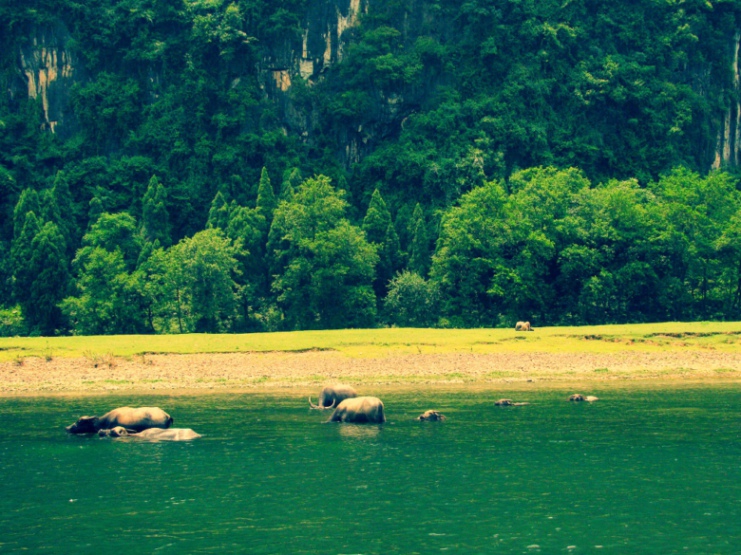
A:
x: 578, y: 397
x: 135, y: 419
x: 153, y: 434
x: 333, y: 395
x: 359, y: 410
x: 523, y: 326
x: 431, y: 416
x: 509, y: 403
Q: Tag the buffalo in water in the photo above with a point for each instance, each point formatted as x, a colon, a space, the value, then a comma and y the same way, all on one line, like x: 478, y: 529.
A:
x: 333, y: 395
x: 152, y: 434
x: 431, y: 416
x: 509, y: 403
x: 523, y: 326
x: 578, y: 397
x: 136, y: 419
x: 359, y: 410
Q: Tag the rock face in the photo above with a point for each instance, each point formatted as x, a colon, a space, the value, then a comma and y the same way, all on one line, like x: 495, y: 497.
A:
x: 47, y: 65
x: 728, y: 147
x: 320, y: 46
x: 46, y: 68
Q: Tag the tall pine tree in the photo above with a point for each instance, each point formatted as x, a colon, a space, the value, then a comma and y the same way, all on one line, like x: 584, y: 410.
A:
x: 291, y: 182
x: 27, y: 202
x: 49, y: 281
x: 21, y: 254
x: 377, y: 219
x: 379, y: 230
x: 218, y: 215
x: 419, y: 250
x: 266, y: 200
x: 65, y: 207
x: 155, y: 225
x: 95, y: 210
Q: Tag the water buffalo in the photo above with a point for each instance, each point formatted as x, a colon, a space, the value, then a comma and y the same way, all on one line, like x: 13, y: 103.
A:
x: 523, y: 326
x: 359, y: 410
x: 136, y: 419
x: 578, y: 397
x: 431, y: 416
x: 333, y: 395
x: 508, y: 403
x: 152, y: 434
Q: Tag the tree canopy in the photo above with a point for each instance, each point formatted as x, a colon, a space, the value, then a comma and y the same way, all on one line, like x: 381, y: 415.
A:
x: 221, y: 166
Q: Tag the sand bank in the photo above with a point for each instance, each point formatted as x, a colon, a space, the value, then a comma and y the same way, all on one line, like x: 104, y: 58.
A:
x: 269, y: 371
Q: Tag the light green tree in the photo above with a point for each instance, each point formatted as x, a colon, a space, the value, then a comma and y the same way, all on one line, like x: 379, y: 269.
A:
x: 412, y: 301
x: 108, y: 296
x: 323, y: 265
x: 200, y: 281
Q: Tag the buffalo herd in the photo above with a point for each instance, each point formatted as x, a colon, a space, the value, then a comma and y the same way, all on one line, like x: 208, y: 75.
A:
x: 154, y: 424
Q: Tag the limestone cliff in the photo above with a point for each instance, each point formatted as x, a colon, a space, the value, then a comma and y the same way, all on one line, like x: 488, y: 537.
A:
x: 47, y: 66
x: 728, y: 147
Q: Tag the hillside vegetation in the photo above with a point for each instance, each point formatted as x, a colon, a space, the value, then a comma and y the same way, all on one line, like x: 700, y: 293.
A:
x: 194, y: 166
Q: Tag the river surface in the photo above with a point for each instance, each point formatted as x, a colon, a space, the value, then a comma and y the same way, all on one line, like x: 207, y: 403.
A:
x: 646, y: 471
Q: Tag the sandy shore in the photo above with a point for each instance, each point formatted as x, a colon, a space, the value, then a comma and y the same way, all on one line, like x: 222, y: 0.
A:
x: 304, y: 371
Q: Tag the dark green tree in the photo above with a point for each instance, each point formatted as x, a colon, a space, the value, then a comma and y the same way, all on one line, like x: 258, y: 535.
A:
x: 379, y: 230
x: 377, y: 219
x: 419, y: 250
x: 95, y: 209
x: 218, y: 215
x: 247, y: 230
x: 50, y: 281
x: 155, y: 224
x: 291, y: 182
x: 6, y: 275
x: 266, y: 201
x: 68, y: 220
x: 27, y: 202
x: 21, y: 256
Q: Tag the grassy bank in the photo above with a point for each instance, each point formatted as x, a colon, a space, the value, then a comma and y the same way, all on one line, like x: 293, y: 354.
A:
x: 722, y: 336
x: 667, y: 354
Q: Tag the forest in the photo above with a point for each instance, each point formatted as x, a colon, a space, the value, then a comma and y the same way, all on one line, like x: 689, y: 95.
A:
x: 177, y: 166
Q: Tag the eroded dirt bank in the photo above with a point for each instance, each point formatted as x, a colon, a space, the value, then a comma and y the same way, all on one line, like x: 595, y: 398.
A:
x: 268, y: 371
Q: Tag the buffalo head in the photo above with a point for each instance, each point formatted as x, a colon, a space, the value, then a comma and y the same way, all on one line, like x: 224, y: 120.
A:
x: 85, y: 425
x: 431, y: 416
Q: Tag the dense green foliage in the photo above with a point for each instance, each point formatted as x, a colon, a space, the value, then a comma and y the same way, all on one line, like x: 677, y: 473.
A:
x: 461, y: 163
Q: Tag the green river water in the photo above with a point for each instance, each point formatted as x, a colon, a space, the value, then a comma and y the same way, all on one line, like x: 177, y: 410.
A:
x: 644, y: 471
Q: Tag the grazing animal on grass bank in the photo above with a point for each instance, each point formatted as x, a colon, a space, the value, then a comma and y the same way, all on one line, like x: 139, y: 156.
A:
x: 333, y: 395
x: 523, y: 326
x: 431, y: 416
x: 136, y: 419
x: 359, y: 410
